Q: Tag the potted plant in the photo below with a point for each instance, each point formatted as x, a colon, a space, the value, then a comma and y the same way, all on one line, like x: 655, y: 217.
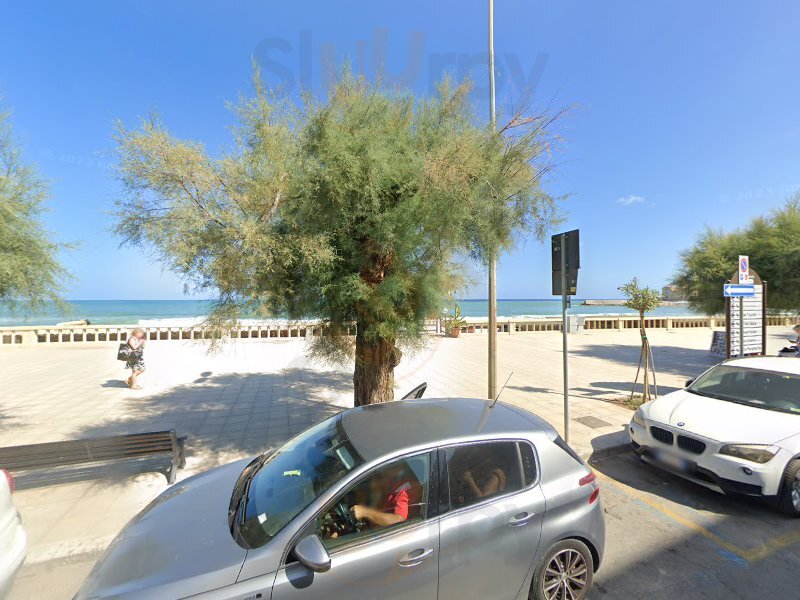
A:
x: 456, y: 323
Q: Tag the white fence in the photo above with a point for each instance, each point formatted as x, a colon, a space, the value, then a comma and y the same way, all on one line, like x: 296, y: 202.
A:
x: 119, y: 333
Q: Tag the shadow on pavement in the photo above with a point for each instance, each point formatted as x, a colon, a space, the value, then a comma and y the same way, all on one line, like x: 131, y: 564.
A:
x: 529, y: 389
x: 624, y: 387
x: 114, y: 383
x: 234, y: 414
x: 675, y: 360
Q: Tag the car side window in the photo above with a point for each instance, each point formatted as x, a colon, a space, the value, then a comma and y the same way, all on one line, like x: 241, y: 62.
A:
x: 480, y: 471
x: 528, y: 462
x: 391, y: 496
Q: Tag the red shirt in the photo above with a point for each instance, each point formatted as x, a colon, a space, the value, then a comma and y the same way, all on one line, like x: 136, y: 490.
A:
x: 397, y: 501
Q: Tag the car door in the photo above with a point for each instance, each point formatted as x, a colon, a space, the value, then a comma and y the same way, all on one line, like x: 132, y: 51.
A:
x: 398, y: 561
x: 490, y: 535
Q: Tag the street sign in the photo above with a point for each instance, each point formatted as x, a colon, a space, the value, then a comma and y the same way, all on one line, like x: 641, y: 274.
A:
x: 567, y: 243
x: 746, y: 313
x: 744, y: 269
x: 572, y: 254
x: 733, y: 290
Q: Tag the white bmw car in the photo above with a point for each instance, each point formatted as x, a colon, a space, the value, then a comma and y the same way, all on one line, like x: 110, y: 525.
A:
x: 12, y: 536
x: 734, y: 429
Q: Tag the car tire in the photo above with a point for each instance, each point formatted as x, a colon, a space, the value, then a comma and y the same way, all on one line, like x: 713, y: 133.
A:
x: 789, y: 497
x: 569, y: 562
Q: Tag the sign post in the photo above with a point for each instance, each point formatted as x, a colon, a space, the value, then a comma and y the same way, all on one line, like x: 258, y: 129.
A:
x: 566, y: 262
x: 564, y: 303
x: 746, y: 303
x: 744, y: 278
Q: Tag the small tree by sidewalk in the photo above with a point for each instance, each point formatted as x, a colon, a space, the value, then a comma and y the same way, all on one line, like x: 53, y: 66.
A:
x: 642, y: 300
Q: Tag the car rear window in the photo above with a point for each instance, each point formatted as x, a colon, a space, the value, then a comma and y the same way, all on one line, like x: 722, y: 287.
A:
x: 480, y: 471
x: 528, y: 462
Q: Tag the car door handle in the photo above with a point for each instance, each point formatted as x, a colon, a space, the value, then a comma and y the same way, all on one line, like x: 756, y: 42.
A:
x: 415, y: 557
x: 521, y: 519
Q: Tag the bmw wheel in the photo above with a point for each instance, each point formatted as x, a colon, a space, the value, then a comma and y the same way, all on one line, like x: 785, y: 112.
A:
x: 564, y: 574
x: 789, y: 499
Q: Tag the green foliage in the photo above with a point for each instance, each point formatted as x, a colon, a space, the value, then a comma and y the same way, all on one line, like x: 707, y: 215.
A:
x: 640, y: 299
x: 350, y: 210
x: 772, y: 244
x: 30, y: 274
x: 456, y: 320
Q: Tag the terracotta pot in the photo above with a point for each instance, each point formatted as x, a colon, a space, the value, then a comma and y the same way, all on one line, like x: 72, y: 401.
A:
x: 471, y: 329
x: 455, y: 331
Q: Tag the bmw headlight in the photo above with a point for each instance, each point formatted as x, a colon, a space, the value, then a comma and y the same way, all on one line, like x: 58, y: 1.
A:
x: 753, y: 452
x: 638, y: 418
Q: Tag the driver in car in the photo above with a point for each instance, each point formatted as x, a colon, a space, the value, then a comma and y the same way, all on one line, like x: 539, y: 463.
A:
x: 393, y: 490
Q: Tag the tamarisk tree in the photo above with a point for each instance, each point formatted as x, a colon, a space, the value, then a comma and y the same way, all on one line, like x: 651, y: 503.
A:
x: 31, y: 275
x: 349, y: 210
x: 642, y: 300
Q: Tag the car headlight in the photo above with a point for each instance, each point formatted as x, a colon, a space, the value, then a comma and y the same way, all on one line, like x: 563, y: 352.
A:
x: 753, y: 452
x: 638, y: 418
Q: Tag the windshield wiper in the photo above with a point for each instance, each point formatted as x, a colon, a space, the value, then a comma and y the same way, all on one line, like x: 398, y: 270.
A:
x: 242, y: 507
x: 241, y: 493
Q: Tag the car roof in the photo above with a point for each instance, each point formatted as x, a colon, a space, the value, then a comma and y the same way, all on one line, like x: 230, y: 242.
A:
x: 377, y: 430
x: 781, y: 364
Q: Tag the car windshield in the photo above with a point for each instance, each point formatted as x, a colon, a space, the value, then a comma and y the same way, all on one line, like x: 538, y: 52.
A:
x: 763, y: 389
x: 275, y: 488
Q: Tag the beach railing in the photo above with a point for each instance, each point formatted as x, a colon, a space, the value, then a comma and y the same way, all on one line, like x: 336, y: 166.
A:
x: 29, y: 335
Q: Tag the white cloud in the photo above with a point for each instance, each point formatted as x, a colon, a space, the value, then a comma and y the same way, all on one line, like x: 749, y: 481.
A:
x: 629, y: 200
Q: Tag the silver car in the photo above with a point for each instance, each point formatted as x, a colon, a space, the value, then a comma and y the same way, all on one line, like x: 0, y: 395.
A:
x: 417, y: 499
x: 12, y: 536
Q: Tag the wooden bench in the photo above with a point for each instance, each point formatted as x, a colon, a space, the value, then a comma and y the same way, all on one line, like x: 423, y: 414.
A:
x: 100, y: 449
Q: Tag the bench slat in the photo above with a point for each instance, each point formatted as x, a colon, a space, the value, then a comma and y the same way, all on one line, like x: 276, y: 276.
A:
x: 101, y: 449
x: 120, y: 439
x: 86, y: 451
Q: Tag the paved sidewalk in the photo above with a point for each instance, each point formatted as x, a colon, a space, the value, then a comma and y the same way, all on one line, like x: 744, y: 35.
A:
x: 255, y: 394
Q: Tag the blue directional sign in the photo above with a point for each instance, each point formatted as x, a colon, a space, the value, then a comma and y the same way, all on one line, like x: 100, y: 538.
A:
x: 733, y: 290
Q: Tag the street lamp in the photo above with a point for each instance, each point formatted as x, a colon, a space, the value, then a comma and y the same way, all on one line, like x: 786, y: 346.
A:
x: 492, y: 388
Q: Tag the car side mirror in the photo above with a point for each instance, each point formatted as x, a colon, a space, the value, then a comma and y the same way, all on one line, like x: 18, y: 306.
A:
x: 311, y: 553
x: 689, y: 382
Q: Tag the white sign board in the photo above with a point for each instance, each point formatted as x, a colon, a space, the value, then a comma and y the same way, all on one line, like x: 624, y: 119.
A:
x: 744, y: 269
x: 753, y: 309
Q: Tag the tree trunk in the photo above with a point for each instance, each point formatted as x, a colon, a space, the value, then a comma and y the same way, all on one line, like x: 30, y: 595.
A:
x: 645, y: 352
x: 373, y: 376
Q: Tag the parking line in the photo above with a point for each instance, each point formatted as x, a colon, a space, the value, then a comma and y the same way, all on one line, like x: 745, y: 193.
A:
x: 749, y: 554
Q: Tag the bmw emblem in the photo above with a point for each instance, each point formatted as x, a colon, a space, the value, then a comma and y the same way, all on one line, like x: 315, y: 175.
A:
x: 681, y: 423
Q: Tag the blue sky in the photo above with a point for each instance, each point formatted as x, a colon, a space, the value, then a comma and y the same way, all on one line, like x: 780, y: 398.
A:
x: 686, y: 113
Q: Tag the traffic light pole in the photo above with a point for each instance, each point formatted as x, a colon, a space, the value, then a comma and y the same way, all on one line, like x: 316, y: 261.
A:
x: 564, y: 302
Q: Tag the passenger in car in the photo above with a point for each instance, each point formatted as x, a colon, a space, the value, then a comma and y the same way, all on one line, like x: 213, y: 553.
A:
x: 393, y: 500
x: 488, y: 483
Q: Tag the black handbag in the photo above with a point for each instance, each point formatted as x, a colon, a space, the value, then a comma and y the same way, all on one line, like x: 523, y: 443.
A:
x: 125, y: 351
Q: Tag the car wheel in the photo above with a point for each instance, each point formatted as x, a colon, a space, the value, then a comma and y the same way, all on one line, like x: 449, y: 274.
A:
x: 789, y: 499
x: 565, y: 573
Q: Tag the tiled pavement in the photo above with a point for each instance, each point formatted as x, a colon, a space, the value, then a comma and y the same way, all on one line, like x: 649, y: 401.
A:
x: 254, y: 394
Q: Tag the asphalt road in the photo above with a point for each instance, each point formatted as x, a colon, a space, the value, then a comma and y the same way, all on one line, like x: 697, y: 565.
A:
x: 667, y: 538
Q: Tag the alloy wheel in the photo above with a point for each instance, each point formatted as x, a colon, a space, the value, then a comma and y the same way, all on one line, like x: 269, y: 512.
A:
x: 565, y: 575
x: 796, y: 492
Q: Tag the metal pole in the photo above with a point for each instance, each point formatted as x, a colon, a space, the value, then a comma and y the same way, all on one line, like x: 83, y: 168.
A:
x: 564, y: 333
x: 741, y: 326
x: 492, y: 391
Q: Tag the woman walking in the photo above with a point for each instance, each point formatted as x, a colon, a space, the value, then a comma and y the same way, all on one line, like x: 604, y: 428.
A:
x: 135, y: 360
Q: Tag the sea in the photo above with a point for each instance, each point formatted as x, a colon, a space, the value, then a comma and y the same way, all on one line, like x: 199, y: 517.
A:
x: 187, y: 312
